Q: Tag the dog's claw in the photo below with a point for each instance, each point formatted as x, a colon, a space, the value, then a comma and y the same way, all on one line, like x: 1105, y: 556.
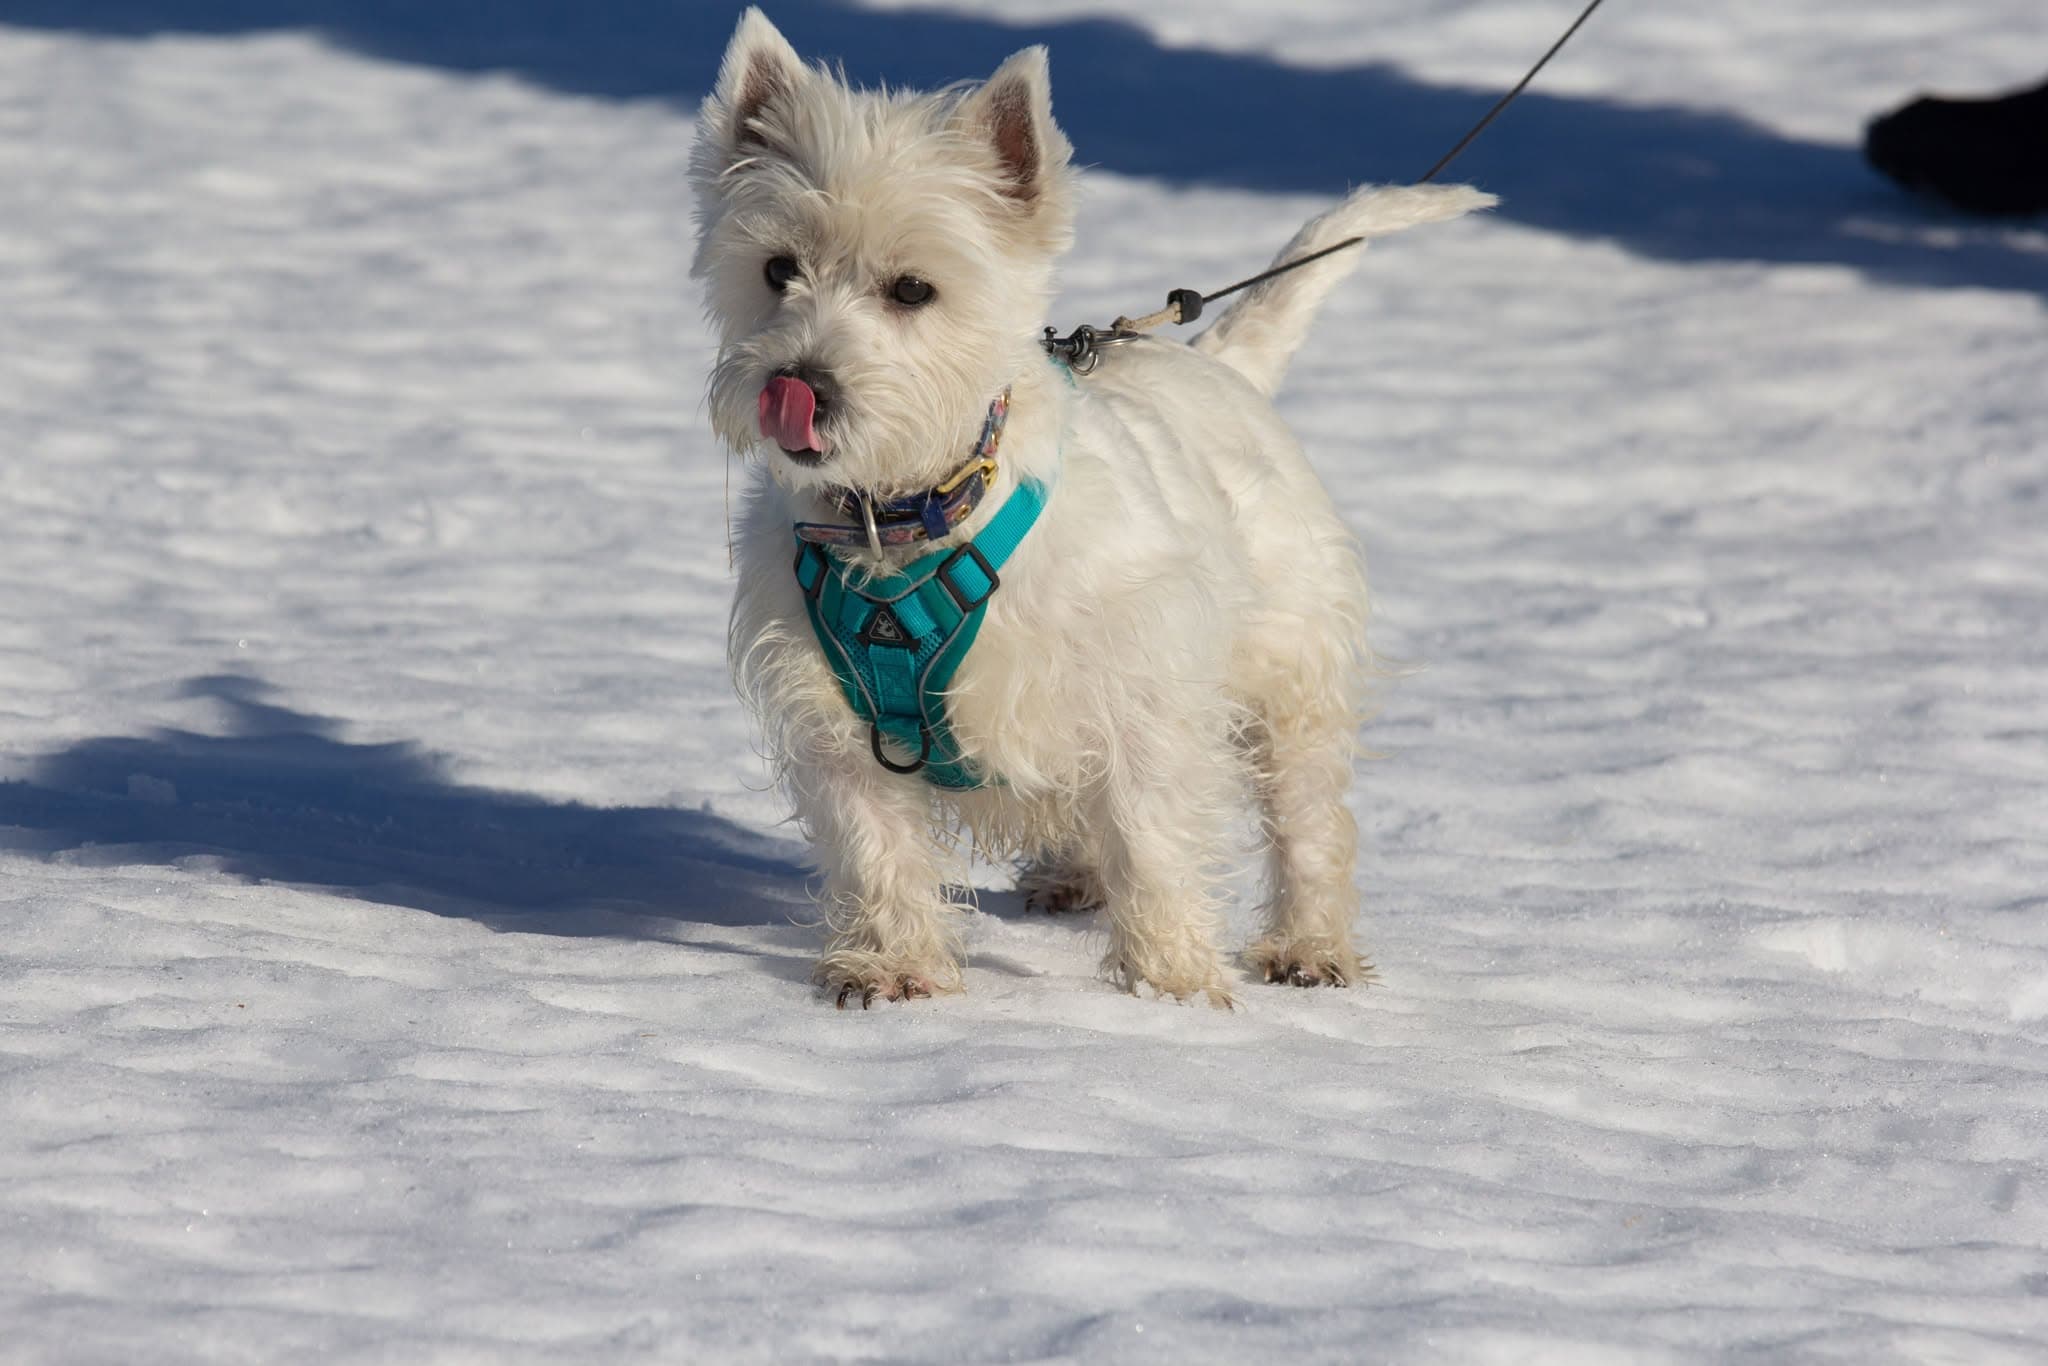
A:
x: 1314, y: 972
x: 900, y: 987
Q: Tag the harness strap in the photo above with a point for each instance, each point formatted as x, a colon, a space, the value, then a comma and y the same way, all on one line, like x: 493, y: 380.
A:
x: 895, y: 638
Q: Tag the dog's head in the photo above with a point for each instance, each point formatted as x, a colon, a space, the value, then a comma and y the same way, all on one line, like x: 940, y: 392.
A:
x: 876, y: 264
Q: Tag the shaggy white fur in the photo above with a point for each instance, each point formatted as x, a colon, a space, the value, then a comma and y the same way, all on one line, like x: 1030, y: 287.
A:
x: 1186, y: 619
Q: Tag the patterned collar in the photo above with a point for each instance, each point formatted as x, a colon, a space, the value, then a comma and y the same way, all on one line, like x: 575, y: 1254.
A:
x: 928, y: 516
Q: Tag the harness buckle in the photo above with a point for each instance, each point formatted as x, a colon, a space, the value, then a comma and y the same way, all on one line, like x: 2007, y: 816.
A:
x: 944, y: 577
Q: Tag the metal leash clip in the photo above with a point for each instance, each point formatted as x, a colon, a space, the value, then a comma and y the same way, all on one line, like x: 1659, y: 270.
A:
x: 1081, y: 350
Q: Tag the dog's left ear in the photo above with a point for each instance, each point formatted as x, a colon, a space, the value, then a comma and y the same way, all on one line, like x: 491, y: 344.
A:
x: 1013, y: 112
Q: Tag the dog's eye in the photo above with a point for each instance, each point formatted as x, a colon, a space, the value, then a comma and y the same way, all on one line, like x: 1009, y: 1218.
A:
x: 911, y: 292
x: 779, y: 271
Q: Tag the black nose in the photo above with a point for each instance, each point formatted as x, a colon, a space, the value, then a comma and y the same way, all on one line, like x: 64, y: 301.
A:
x: 823, y: 387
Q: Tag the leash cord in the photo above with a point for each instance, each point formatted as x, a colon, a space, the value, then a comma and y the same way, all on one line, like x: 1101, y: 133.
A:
x: 1080, y: 350
x: 1507, y: 99
x: 1431, y: 174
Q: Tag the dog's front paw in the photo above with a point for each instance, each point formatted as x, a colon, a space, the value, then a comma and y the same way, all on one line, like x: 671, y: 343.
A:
x: 847, y: 980
x: 901, y: 987
x: 1309, y: 965
x: 1181, y: 986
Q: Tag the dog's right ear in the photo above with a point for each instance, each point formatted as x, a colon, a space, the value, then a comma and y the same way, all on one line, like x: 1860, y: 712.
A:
x: 760, y: 69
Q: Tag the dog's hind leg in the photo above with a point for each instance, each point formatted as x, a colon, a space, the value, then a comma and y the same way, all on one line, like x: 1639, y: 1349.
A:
x: 1305, y: 770
x: 1065, y: 880
x: 1302, y: 675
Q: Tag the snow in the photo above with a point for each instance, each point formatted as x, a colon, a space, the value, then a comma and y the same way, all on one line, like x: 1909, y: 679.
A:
x: 400, y: 956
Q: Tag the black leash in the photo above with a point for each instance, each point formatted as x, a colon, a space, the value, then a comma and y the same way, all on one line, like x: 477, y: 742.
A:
x: 1081, y: 349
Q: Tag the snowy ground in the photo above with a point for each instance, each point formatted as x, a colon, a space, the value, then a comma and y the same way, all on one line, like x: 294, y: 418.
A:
x: 398, y: 952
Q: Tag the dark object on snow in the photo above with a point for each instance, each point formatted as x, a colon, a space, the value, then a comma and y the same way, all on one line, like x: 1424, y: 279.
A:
x: 1985, y: 156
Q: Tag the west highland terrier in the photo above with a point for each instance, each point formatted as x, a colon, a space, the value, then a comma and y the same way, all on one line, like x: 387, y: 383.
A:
x: 1075, y: 616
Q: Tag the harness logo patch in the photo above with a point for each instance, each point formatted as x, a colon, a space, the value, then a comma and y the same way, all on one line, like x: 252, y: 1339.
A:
x: 884, y: 629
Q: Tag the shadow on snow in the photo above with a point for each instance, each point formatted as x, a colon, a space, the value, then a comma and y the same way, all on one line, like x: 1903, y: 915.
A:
x: 278, y: 797
x: 1678, y: 184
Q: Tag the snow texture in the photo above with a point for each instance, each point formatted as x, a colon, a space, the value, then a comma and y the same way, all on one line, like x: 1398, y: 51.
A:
x: 401, y: 961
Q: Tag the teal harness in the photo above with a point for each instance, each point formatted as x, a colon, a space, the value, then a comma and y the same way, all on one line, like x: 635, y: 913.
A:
x: 895, y: 639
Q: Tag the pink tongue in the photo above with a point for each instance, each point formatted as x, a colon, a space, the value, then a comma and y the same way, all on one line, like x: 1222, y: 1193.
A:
x: 787, y: 409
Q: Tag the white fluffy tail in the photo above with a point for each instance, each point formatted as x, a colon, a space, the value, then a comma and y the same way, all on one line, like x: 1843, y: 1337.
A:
x: 1259, y: 333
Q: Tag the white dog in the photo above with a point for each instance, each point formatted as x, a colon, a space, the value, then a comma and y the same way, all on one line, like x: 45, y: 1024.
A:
x: 1093, y: 608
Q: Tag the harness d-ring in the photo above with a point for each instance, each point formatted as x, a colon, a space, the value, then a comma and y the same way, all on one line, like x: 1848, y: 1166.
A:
x: 924, y: 749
